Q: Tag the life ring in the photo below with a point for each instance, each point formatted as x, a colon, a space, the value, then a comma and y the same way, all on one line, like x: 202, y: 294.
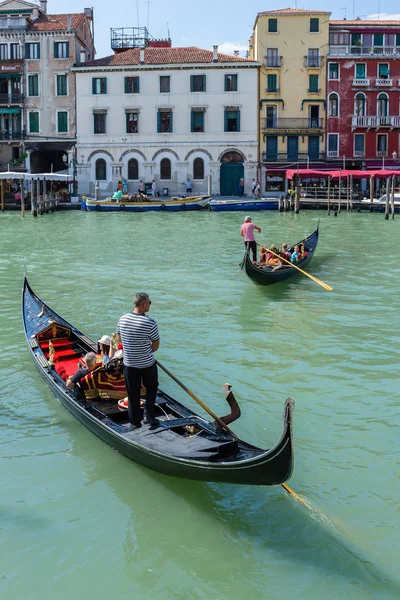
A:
x: 98, y: 207
x: 123, y: 404
x: 183, y: 206
x: 163, y: 207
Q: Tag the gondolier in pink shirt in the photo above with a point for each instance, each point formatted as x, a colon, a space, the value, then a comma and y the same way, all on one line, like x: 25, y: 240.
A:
x: 247, y: 231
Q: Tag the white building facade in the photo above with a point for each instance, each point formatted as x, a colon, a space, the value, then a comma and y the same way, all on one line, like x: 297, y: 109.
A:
x: 167, y: 114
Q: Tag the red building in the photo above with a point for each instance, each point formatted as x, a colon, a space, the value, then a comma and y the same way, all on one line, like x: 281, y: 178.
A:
x: 363, y: 93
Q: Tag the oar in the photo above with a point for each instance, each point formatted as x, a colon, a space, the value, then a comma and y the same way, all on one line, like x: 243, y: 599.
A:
x: 183, y: 386
x: 324, y: 285
x: 214, y: 416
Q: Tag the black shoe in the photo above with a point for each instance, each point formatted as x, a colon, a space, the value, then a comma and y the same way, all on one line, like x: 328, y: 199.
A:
x: 151, y: 421
x: 133, y: 426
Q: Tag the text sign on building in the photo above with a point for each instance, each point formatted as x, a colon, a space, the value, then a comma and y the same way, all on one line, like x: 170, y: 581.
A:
x: 11, y: 67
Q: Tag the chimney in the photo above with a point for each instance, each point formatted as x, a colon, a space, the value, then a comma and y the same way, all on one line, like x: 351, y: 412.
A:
x: 43, y: 6
x: 236, y: 52
x: 142, y: 56
x: 69, y: 22
x: 215, y: 53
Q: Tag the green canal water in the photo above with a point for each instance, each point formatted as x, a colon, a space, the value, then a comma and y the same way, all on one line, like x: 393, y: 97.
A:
x: 79, y: 520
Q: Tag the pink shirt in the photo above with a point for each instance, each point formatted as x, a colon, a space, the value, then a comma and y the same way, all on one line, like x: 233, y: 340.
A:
x: 248, y: 232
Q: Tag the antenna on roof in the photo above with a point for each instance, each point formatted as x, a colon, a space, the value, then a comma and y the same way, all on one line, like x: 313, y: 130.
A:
x: 137, y: 11
x: 345, y: 11
x: 148, y: 14
x: 168, y: 34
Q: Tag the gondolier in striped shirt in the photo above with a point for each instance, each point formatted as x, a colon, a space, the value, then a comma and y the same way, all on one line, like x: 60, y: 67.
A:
x: 139, y: 336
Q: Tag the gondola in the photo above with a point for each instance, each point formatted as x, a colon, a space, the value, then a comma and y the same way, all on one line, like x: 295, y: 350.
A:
x: 183, y: 444
x: 267, y: 276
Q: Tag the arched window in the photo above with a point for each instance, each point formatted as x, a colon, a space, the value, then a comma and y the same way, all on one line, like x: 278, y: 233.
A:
x: 198, y: 168
x: 359, y: 105
x: 101, y: 169
x: 165, y: 169
x: 333, y: 105
x: 383, y: 105
x: 133, y: 169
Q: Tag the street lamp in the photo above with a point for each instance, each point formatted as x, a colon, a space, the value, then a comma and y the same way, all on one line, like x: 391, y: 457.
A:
x: 394, y: 155
x: 73, y: 163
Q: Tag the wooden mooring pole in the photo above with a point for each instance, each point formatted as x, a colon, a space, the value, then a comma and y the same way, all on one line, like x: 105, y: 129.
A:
x: 329, y: 194
x: 388, y: 182
x: 2, y: 195
x: 392, y: 199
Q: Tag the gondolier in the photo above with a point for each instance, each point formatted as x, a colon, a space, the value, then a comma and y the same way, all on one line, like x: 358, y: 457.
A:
x: 139, y: 336
x: 247, y: 231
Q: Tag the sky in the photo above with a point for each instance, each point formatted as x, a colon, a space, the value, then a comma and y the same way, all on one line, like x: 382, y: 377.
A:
x: 228, y: 23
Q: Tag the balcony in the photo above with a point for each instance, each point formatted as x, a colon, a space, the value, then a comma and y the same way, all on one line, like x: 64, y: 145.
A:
x: 273, y: 62
x: 376, y: 122
x: 284, y: 157
x: 274, y: 91
x: 332, y: 153
x: 361, y: 82
x: 381, y: 153
x: 313, y: 62
x: 314, y: 91
x: 383, y: 82
x: 359, y: 153
x: 290, y: 123
x: 374, y: 51
x: 12, y: 135
x: 11, y: 99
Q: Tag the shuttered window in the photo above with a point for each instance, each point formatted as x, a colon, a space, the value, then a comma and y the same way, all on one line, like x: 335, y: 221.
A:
x: 132, y: 122
x: 164, y: 121
x: 61, y: 49
x: 32, y: 50
x: 62, y: 85
x: 99, y: 122
x: 313, y: 83
x: 232, y: 120
x: 165, y: 84
x: 62, y: 121
x: 231, y: 83
x: 197, y: 83
x: 34, y: 122
x: 33, y: 85
x: 197, y: 121
x: 99, y: 85
x: 272, y: 85
x: 131, y: 85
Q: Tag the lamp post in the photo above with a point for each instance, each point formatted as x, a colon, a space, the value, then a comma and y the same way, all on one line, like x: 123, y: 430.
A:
x: 73, y: 163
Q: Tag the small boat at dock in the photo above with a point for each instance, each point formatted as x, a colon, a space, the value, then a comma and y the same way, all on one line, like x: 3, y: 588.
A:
x: 157, y: 204
x: 244, y: 204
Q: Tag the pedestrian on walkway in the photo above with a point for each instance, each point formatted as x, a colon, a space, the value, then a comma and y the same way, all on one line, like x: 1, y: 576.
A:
x: 153, y: 188
x: 241, y: 186
x: 139, y: 336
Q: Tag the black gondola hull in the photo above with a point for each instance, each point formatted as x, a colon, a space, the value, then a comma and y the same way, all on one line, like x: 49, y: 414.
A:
x: 265, y: 276
x: 269, y: 467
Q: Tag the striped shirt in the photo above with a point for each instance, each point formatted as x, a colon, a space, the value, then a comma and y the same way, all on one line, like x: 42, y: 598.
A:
x: 137, y: 332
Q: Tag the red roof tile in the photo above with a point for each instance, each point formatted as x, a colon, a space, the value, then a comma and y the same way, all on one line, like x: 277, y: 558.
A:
x: 56, y: 22
x: 164, y: 56
x: 293, y: 11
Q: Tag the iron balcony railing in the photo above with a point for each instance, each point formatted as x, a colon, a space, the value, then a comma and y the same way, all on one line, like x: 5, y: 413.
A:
x: 273, y: 62
x: 389, y: 121
x: 12, y: 135
x: 291, y: 123
x: 11, y: 99
x: 313, y: 62
x: 360, y: 50
x: 292, y: 157
x: 383, y: 82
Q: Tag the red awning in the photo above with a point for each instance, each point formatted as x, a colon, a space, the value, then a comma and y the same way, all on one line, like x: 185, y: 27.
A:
x: 304, y: 173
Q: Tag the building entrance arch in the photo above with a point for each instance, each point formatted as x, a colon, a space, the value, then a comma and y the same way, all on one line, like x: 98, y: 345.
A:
x: 231, y: 171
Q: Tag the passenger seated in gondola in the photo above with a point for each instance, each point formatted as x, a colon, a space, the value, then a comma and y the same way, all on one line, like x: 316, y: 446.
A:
x: 263, y: 256
x: 106, y: 348
x: 284, y: 252
x: 297, y: 255
x: 91, y: 364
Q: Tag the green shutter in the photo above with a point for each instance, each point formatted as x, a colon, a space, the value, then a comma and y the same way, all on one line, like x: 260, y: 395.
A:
x: 138, y: 85
x: 191, y: 83
x: 158, y: 122
x: 192, y: 121
x: 204, y: 83
x: 93, y: 85
x: 55, y: 45
x: 235, y: 83
x: 271, y: 83
x: 126, y: 85
x: 226, y: 83
x: 238, y: 120
x: 62, y: 118
x: 105, y: 85
x: 360, y: 71
x: 27, y: 51
x: 67, y: 49
x: 226, y: 120
x: 34, y: 122
x: 38, y: 49
x: 397, y: 39
x: 171, y: 121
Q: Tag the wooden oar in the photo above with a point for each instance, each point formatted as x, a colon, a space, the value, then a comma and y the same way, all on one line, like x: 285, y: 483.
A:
x: 214, y: 416
x: 208, y: 410
x: 324, y: 285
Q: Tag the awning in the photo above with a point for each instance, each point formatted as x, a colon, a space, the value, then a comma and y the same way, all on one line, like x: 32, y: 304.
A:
x: 10, y: 75
x: 10, y: 111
